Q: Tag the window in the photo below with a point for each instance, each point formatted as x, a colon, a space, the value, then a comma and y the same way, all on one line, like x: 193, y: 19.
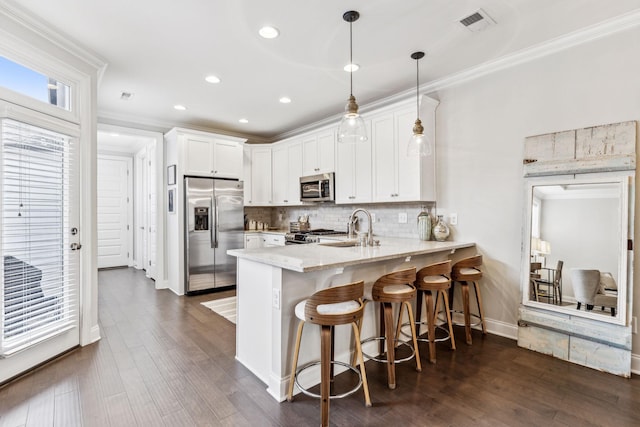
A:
x: 28, y: 82
x: 39, y: 272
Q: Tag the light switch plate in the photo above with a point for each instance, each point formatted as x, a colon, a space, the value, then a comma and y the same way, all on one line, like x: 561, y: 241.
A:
x: 453, y: 219
x: 402, y: 217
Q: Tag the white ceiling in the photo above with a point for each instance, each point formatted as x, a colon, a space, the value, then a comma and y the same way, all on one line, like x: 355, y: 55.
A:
x: 161, y: 50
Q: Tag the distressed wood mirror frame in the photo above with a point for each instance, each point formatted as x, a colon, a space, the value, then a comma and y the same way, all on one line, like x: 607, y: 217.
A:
x: 593, y: 156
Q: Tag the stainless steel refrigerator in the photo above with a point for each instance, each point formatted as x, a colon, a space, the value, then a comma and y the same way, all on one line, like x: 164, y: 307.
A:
x: 214, y: 223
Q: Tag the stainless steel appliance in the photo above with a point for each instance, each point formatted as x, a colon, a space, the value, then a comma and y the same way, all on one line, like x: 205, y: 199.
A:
x: 317, y: 188
x: 214, y: 223
x: 309, y: 236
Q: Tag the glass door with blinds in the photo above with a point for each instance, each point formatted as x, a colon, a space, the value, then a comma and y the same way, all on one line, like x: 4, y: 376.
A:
x: 39, y: 240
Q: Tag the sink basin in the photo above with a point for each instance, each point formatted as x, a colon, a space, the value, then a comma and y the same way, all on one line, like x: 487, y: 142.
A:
x: 341, y: 244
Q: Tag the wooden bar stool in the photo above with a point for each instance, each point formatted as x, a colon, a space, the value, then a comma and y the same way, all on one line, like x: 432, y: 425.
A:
x: 339, y: 305
x: 434, y: 278
x: 464, y: 271
x: 396, y: 287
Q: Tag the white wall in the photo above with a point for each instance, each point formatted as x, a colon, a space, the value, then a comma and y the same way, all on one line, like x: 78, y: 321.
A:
x: 481, y: 126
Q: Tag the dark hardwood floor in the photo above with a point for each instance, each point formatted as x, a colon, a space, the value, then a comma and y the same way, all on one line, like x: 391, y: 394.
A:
x: 167, y: 360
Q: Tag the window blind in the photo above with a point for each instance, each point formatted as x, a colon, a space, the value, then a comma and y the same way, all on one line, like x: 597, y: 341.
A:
x: 39, y: 271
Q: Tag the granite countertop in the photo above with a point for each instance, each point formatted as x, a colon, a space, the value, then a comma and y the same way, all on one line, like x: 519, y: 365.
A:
x: 312, y: 257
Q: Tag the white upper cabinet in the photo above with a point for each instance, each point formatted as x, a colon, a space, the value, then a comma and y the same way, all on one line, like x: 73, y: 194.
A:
x: 227, y: 159
x: 207, y: 154
x: 286, y: 172
x: 396, y: 176
x: 260, y: 177
x: 318, y: 153
x: 353, y: 172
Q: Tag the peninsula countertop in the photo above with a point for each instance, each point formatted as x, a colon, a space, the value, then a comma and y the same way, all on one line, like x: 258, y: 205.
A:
x: 312, y: 257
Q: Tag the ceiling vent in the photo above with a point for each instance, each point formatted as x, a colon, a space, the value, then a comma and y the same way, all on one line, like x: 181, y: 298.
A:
x: 126, y: 96
x: 477, y: 21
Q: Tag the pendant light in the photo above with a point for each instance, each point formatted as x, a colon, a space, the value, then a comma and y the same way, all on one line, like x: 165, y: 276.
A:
x: 352, y: 128
x: 419, y: 144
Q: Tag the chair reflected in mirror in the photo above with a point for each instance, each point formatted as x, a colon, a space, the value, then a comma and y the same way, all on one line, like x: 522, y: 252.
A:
x: 593, y: 288
x: 546, y: 283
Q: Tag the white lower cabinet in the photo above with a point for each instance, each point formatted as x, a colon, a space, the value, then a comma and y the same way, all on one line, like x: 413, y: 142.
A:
x: 272, y: 240
x: 253, y: 240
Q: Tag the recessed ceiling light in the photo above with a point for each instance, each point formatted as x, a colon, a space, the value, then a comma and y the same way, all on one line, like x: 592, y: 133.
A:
x: 269, y: 32
x: 180, y: 107
x: 212, y: 79
x: 243, y: 121
x: 350, y: 68
x: 285, y: 100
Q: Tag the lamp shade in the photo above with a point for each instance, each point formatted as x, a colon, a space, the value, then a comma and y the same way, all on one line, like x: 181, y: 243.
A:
x: 419, y: 144
x: 352, y: 129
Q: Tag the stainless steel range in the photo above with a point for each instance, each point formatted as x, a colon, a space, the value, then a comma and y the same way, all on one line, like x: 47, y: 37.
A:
x: 309, y: 236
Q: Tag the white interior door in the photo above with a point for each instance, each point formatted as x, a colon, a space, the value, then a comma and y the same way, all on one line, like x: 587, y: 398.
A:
x: 152, y: 210
x: 114, y: 211
x: 39, y: 240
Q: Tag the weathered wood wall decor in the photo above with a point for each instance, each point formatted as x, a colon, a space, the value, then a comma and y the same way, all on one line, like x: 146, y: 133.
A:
x: 563, y: 331
x: 603, y: 148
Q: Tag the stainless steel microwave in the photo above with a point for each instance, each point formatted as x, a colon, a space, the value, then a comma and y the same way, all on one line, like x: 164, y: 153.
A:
x: 317, y: 188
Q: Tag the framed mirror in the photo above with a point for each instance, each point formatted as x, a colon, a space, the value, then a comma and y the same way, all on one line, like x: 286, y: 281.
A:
x: 576, y: 260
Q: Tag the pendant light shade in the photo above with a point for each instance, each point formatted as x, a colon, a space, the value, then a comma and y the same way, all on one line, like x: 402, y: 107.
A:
x: 352, y: 128
x: 419, y: 144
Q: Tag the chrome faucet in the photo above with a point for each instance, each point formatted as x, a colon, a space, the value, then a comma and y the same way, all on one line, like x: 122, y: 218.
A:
x: 352, y: 220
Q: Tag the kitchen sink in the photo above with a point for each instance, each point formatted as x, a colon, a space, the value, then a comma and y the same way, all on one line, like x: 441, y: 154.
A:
x: 341, y: 244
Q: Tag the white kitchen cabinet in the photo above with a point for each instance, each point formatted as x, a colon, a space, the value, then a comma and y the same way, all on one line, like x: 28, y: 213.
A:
x: 398, y: 177
x: 207, y: 154
x: 353, y: 179
x: 286, y: 171
x: 270, y: 240
x: 318, y: 153
x: 253, y: 240
x: 246, y: 174
x: 260, y: 177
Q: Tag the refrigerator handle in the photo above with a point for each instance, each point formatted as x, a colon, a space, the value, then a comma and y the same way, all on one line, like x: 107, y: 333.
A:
x: 215, y: 227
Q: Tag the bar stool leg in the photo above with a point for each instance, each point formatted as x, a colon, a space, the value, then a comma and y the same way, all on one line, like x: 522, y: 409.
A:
x: 420, y: 293
x: 388, y: 333
x: 412, y: 322
x: 294, y: 366
x: 431, y: 320
x: 445, y: 301
x: 325, y: 368
x: 467, y: 314
x: 480, y: 310
x: 360, y: 357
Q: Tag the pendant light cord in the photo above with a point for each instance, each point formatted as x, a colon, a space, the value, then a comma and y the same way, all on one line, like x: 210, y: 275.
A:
x: 351, y: 57
x: 417, y: 89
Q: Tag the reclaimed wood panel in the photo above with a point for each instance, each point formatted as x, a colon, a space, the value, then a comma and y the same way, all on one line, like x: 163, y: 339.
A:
x: 603, y: 148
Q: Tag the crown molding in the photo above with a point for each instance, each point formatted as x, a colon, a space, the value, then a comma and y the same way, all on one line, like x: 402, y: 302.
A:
x: 145, y: 123
x: 603, y: 29
x: 41, y: 28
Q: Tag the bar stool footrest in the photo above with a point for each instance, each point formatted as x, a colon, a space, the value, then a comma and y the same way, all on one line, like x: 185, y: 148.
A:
x: 457, y: 313
x: 334, y: 396
x: 381, y: 360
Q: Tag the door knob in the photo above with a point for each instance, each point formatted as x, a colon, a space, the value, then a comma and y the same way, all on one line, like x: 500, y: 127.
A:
x: 76, y: 246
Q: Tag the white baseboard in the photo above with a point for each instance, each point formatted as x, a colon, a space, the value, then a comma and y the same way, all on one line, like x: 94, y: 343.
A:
x: 635, y: 364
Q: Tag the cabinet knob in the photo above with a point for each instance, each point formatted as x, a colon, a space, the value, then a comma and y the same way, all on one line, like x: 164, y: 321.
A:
x: 285, y: 201
x: 352, y: 197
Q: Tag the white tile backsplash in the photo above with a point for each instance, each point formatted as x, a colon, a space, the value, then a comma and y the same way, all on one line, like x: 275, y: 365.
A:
x: 335, y: 217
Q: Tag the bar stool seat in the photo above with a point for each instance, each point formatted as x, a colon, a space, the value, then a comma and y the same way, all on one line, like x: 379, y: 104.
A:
x: 434, y: 278
x: 396, y: 287
x: 339, y: 305
x: 467, y: 271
